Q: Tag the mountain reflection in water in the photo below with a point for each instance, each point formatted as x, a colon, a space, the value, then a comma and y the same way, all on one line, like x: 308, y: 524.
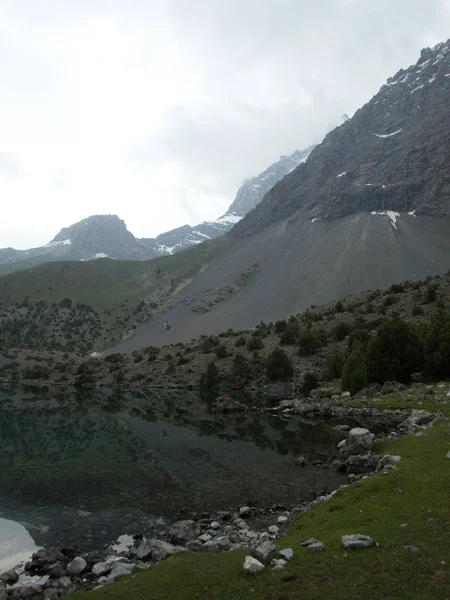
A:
x: 85, y: 467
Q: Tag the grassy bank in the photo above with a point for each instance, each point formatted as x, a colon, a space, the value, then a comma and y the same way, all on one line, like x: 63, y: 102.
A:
x: 410, y: 506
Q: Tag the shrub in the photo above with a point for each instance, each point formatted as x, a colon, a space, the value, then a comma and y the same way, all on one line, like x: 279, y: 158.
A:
x: 416, y: 310
x: 209, y: 344
x: 341, y: 331
x: 394, y: 353
x: 210, y: 378
x: 354, y: 374
x: 255, y: 343
x: 152, y: 352
x: 240, y: 341
x: 221, y: 351
x: 241, y: 366
x: 279, y: 366
x: 310, y: 341
x: 280, y: 326
x: 334, y: 364
x: 396, y: 288
x: 339, y: 307
x: 310, y: 382
x: 430, y: 294
x: 437, y: 346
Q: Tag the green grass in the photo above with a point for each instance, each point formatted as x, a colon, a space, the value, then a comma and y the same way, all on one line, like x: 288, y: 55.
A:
x: 105, y: 283
x: 418, y: 494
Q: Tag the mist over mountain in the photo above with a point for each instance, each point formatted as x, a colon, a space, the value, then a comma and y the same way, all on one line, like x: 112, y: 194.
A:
x: 106, y: 236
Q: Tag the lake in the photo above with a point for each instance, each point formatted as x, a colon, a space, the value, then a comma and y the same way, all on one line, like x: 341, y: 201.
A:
x: 80, y: 469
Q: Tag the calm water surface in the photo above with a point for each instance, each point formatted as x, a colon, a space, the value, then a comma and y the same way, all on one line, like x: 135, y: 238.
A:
x: 81, y: 469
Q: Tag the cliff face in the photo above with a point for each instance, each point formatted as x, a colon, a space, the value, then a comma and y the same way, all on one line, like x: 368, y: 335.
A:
x: 393, y: 154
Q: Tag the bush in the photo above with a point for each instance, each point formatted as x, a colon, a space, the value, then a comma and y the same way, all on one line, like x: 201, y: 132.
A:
x: 354, y: 374
x: 339, y: 307
x: 210, y: 378
x: 279, y: 366
x: 280, y: 326
x: 241, y: 366
x: 417, y: 310
x: 310, y: 341
x: 209, y: 344
x: 334, y: 364
x: 437, y: 347
x: 394, y: 353
x: 255, y: 343
x: 152, y: 352
x: 221, y: 351
x: 430, y: 294
x: 310, y: 382
x: 341, y: 331
x: 240, y: 341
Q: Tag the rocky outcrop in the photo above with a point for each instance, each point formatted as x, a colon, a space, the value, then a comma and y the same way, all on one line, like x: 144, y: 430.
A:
x: 392, y: 155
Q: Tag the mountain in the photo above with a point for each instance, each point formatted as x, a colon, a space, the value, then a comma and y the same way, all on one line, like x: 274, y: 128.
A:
x: 368, y: 208
x: 392, y: 155
x: 102, y: 236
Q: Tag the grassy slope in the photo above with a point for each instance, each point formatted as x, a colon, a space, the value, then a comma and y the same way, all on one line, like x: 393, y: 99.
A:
x: 100, y: 283
x: 418, y: 494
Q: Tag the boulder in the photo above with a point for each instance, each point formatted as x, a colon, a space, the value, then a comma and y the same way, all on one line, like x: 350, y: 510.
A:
x: 10, y: 577
x: 388, y: 459
x: 360, y: 441
x: 273, y: 529
x: 278, y: 564
x: 362, y: 463
x: 357, y: 540
x: 157, y: 550
x: 119, y: 569
x: 411, y: 548
x: 252, y: 566
x: 448, y: 455
x: 76, y: 566
x: 245, y: 511
x: 309, y: 542
x: 286, y: 553
x: 101, y: 568
x: 282, y: 519
x: 184, y: 531
x: 227, y: 404
x: 264, y: 552
x: 418, y: 418
x: 315, y: 547
x: 371, y: 391
x: 391, y: 387
x: 25, y: 592
x: 300, y: 461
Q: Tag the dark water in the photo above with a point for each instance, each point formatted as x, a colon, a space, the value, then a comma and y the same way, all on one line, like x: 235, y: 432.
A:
x: 82, y: 469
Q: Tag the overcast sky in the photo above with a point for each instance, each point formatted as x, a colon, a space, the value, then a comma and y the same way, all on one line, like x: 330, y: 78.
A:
x: 156, y: 110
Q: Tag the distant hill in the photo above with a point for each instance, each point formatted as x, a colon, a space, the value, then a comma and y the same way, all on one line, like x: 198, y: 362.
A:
x: 103, y: 236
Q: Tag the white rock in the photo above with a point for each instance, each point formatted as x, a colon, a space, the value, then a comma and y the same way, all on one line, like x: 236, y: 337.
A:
x: 448, y: 455
x: 245, y: 511
x: 282, y: 519
x: 215, y: 525
x: 76, y: 566
x: 273, y: 529
x: 101, y: 568
x: 252, y: 566
x: 278, y: 564
x: 315, y: 547
x: 357, y: 540
x: 286, y: 553
x: 264, y: 552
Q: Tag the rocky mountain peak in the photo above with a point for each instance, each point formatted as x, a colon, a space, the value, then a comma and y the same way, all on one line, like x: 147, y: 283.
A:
x: 253, y: 190
x: 392, y: 155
